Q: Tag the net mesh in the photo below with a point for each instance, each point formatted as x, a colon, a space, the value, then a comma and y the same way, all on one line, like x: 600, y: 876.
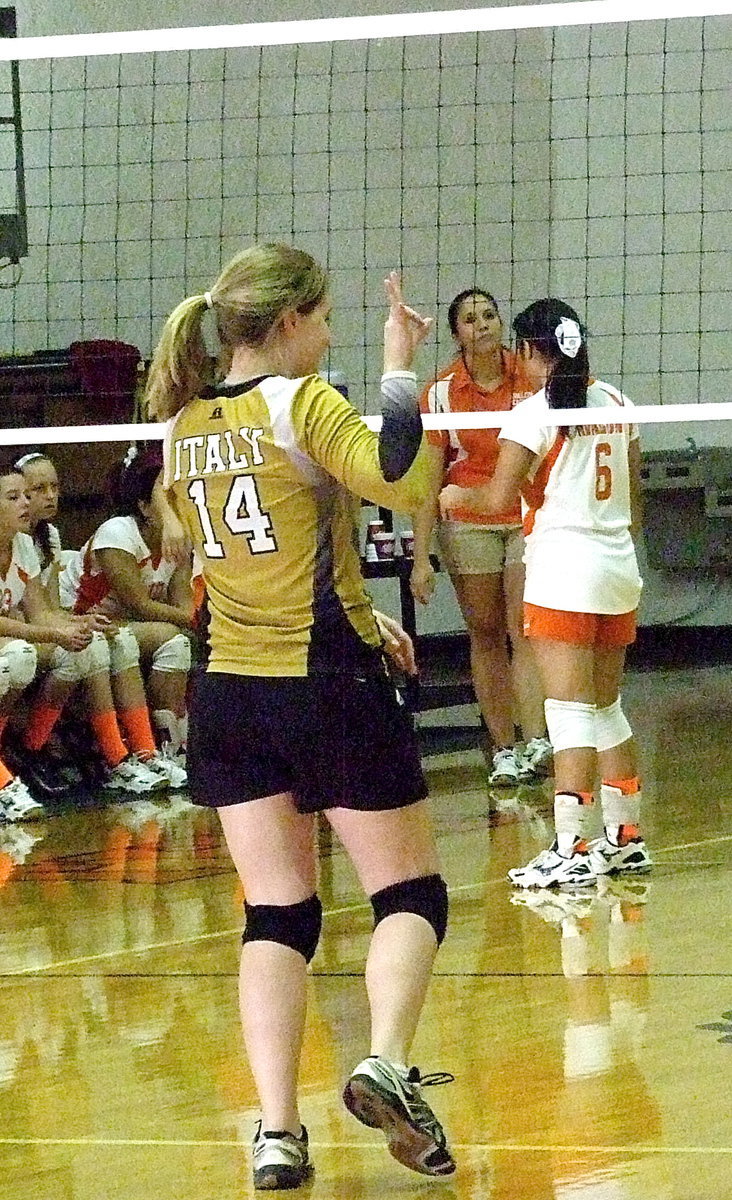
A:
x: 588, y: 162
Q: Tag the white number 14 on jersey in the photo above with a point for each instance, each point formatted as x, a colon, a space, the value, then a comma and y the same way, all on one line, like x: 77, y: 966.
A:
x: 242, y: 513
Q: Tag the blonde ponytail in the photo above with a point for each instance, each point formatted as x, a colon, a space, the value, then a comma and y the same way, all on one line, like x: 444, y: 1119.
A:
x: 181, y: 367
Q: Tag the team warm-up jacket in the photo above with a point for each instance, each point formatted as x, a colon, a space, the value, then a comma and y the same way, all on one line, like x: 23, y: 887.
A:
x: 266, y: 478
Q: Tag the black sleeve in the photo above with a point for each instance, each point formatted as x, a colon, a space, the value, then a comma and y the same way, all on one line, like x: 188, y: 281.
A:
x: 401, y: 430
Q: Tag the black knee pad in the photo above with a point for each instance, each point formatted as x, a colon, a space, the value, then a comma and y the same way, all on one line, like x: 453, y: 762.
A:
x: 425, y: 897
x: 294, y: 925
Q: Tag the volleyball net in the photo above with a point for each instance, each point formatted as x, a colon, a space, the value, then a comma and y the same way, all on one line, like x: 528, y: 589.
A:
x: 580, y: 150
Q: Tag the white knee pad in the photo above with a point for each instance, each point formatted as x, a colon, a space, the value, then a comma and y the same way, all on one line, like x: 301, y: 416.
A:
x: 124, y: 651
x: 570, y: 724
x: 5, y: 684
x: 68, y: 666
x: 96, y: 657
x: 173, y: 655
x: 21, y: 661
x: 612, y: 726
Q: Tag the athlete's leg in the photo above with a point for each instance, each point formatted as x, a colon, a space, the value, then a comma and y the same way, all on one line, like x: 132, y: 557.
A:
x: 481, y: 602
x: 619, y: 761
x: 61, y: 675
x: 567, y: 674
x: 622, y: 848
x: 166, y: 656
x: 394, y: 854
x: 272, y: 846
x: 526, y: 685
x: 388, y: 848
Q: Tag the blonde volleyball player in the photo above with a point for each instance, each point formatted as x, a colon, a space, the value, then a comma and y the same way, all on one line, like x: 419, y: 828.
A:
x: 296, y: 713
x: 580, y: 487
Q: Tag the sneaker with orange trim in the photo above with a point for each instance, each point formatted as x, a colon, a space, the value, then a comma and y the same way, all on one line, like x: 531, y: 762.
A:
x: 608, y: 859
x: 552, y: 869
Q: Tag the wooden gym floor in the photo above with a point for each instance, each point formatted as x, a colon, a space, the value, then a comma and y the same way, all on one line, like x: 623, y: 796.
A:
x: 588, y: 1039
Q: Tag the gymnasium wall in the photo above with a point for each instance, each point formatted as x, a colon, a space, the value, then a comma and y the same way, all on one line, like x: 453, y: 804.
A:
x: 593, y: 164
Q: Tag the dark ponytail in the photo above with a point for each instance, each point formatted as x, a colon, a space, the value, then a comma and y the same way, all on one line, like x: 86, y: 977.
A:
x: 552, y: 327
x: 133, y: 481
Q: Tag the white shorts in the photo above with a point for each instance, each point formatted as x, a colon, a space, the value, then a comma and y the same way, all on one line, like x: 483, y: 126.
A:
x: 468, y: 549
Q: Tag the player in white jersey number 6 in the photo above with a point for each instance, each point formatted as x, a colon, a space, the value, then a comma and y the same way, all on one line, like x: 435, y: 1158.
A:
x: 580, y: 490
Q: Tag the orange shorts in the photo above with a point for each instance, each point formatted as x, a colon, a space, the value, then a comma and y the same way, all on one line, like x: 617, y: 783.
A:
x: 578, y: 628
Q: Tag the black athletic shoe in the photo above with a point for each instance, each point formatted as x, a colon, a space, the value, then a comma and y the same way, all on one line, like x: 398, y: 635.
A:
x: 280, y: 1159
x: 383, y: 1097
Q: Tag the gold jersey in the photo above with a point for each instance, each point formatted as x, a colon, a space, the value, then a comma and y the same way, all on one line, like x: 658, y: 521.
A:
x: 266, y: 477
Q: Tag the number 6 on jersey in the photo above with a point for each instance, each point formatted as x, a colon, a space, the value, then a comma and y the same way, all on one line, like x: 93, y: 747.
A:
x: 603, y: 473
x: 242, y: 513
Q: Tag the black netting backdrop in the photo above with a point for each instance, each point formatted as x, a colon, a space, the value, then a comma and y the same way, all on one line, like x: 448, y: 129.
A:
x: 590, y: 163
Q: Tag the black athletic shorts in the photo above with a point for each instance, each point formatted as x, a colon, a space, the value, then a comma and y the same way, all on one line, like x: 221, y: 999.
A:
x: 334, y: 741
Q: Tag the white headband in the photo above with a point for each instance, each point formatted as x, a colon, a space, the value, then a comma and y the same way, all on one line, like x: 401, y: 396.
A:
x: 569, y: 337
x: 209, y: 299
x: 23, y: 462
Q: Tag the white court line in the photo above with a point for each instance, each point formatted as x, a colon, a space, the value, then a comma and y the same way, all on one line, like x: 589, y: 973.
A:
x: 331, y: 912
x: 340, y: 29
x: 147, y: 431
x: 695, y: 845
x: 487, y: 1147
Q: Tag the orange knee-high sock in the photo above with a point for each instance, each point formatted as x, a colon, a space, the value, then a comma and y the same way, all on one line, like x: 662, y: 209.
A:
x: 109, y: 738
x: 136, y: 724
x: 619, y: 830
x: 5, y: 774
x: 41, y: 722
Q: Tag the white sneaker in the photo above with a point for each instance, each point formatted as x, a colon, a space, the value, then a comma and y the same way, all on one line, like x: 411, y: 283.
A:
x: 17, y: 804
x: 607, y: 859
x: 506, y: 766
x: 165, y: 766
x: 537, y: 760
x: 382, y: 1096
x: 132, y: 775
x: 550, y: 869
x: 280, y: 1160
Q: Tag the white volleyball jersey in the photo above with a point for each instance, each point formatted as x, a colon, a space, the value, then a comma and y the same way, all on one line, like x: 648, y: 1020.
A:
x: 579, y: 553
x: 83, y: 584
x: 24, y: 565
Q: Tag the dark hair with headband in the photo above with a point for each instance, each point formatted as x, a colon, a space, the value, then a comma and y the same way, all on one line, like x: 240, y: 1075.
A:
x: 554, y: 329
x: 133, y: 481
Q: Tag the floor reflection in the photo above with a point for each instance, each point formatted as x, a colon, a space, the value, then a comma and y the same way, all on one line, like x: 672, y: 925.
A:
x: 586, y: 1032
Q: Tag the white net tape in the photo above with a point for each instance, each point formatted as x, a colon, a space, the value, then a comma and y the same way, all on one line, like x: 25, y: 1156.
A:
x: 395, y: 25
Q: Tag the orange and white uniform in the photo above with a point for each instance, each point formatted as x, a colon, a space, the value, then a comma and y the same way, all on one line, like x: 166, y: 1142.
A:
x: 579, y: 552
x: 471, y: 454
x: 24, y: 565
x: 83, y: 584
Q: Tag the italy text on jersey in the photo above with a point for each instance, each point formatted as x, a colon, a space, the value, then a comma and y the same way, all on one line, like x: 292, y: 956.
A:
x: 214, y: 453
